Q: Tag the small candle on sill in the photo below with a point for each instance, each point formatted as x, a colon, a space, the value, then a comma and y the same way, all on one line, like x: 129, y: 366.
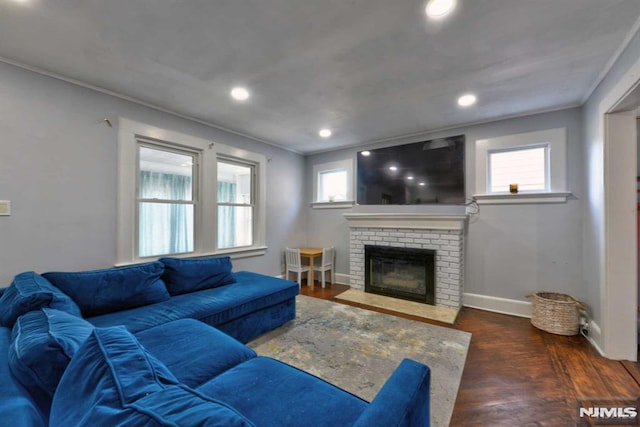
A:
x: 513, y: 188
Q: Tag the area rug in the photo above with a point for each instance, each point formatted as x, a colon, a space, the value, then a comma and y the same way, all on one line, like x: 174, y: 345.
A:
x: 424, y: 311
x: 358, y: 349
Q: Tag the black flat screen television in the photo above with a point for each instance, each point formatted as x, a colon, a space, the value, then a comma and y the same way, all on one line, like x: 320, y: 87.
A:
x: 425, y: 172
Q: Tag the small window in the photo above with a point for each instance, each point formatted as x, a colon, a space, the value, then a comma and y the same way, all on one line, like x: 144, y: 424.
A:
x: 333, y: 184
x: 235, y: 203
x: 525, y: 166
x: 535, y: 161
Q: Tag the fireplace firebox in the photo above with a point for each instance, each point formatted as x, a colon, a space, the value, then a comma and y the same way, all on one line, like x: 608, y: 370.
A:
x: 405, y: 273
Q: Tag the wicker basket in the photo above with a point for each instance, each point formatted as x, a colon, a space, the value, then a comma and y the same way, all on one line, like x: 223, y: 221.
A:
x: 556, y: 313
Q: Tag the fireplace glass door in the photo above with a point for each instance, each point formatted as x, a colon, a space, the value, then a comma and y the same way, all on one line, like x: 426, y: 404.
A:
x: 405, y: 273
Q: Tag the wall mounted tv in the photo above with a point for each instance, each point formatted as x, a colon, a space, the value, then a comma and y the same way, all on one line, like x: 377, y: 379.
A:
x: 426, y: 172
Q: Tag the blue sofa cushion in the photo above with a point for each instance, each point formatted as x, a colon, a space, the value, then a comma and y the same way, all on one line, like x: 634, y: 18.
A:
x: 113, y: 380
x: 17, y: 406
x: 266, y: 389
x: 30, y: 291
x: 42, y: 344
x: 113, y: 289
x: 216, y: 306
x: 188, y: 275
x: 193, y: 351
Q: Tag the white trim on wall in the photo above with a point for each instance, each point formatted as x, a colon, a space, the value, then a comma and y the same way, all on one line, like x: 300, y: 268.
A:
x: 497, y: 305
x: 618, y: 338
x: 620, y: 302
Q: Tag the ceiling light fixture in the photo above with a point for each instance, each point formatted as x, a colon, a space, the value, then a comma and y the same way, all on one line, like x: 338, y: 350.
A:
x: 366, y: 153
x: 437, y: 9
x: 325, y: 133
x: 467, y: 100
x: 393, y: 168
x: 239, y: 93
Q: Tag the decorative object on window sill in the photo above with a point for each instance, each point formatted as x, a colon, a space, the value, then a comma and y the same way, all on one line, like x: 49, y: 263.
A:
x: 513, y: 188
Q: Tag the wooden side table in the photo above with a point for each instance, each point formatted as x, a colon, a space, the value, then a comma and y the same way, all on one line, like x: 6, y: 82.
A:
x: 310, y: 253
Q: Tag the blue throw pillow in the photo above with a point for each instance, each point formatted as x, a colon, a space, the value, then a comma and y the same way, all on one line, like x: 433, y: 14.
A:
x: 113, y: 380
x: 30, y: 291
x: 113, y: 289
x: 189, y: 275
x: 42, y: 344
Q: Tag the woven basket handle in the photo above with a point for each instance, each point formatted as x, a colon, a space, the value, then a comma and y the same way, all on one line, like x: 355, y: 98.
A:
x: 579, y: 304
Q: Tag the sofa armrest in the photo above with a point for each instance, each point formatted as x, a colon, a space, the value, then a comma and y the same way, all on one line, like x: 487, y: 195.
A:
x: 403, y: 399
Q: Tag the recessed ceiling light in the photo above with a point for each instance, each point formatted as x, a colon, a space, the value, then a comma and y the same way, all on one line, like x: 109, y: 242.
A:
x: 437, y: 9
x: 366, y: 153
x: 393, y: 168
x: 325, y: 133
x: 467, y: 100
x: 422, y: 184
x: 410, y: 178
x: 239, y: 93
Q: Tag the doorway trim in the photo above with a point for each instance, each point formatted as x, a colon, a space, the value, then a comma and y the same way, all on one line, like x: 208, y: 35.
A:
x: 619, y: 284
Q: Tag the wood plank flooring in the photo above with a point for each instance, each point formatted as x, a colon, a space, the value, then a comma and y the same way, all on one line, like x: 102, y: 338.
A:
x: 517, y: 375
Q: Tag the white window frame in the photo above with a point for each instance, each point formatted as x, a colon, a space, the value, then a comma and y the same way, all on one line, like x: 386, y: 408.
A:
x: 339, y: 165
x: 129, y: 134
x: 254, y: 167
x: 556, y: 142
x: 195, y: 193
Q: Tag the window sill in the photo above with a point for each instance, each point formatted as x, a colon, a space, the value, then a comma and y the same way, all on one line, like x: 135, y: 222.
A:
x: 234, y: 253
x: 521, y: 198
x: 333, y: 205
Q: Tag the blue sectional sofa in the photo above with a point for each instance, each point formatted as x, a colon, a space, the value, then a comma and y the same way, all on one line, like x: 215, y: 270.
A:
x: 77, y: 358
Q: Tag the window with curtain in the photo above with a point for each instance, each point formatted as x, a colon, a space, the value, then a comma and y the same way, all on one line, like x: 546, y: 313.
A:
x: 166, y: 201
x: 235, y: 186
x: 181, y: 195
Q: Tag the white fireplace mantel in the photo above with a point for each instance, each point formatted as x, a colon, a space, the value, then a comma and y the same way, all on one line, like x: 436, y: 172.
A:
x: 414, y: 221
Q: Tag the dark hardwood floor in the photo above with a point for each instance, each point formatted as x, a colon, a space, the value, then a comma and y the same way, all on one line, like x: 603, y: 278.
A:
x: 517, y: 375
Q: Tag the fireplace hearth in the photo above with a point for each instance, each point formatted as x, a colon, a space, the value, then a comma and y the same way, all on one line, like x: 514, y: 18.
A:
x: 406, y: 273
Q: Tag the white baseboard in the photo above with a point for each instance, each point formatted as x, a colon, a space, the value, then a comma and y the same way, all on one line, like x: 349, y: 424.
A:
x: 497, y: 305
x: 595, y: 336
x: 341, y: 279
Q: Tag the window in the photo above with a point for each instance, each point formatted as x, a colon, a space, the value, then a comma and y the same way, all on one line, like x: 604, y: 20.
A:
x: 182, y: 195
x: 536, y: 161
x: 235, y: 203
x: 525, y: 166
x: 333, y: 184
x: 166, y: 200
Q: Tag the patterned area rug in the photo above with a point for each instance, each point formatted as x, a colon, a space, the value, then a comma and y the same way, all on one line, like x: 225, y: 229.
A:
x: 358, y: 350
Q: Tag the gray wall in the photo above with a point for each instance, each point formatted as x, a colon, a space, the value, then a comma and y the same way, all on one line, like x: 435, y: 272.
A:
x: 512, y: 250
x: 58, y: 166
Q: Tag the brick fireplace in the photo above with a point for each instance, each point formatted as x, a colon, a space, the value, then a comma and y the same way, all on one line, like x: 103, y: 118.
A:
x: 443, y: 234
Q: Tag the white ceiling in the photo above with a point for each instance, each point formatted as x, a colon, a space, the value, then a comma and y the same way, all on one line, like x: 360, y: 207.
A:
x: 367, y: 69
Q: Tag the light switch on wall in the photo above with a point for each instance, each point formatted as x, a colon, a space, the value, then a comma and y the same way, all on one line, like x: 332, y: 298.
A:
x: 5, y: 207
